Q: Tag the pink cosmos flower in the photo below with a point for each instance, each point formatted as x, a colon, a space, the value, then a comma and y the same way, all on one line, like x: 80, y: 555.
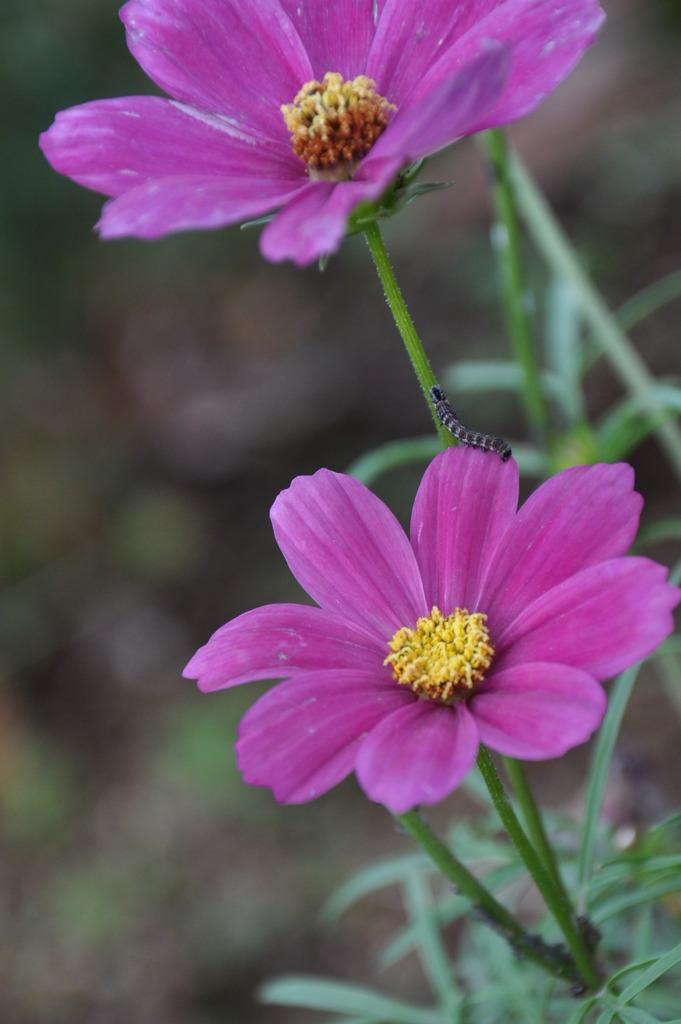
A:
x: 487, y: 625
x: 407, y: 79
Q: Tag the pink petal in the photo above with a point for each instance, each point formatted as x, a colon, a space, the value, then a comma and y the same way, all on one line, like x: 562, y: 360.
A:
x: 417, y: 755
x: 602, y: 620
x: 548, y: 39
x: 410, y: 39
x: 113, y: 146
x: 280, y: 641
x: 348, y: 551
x: 243, y: 60
x: 302, y: 737
x: 582, y: 516
x: 337, y: 38
x: 536, y: 711
x: 414, y: 49
x: 315, y: 222
x: 448, y: 111
x: 464, y: 505
x: 185, y: 203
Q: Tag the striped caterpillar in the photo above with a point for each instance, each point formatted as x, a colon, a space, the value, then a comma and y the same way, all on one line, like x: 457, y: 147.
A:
x: 472, y: 438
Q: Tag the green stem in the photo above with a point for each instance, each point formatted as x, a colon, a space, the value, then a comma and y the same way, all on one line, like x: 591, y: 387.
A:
x: 549, y: 238
x: 554, y: 897
x: 534, y: 823
x: 507, y: 244
x: 404, y: 323
x: 553, y: 959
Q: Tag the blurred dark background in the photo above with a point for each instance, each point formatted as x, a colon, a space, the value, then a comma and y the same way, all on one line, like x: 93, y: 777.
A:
x: 153, y: 400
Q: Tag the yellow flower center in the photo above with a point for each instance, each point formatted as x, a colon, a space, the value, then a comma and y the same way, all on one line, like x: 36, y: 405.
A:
x: 444, y: 657
x: 334, y: 123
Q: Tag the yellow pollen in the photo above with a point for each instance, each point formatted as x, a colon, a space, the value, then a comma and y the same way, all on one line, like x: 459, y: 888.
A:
x: 334, y: 123
x: 444, y: 657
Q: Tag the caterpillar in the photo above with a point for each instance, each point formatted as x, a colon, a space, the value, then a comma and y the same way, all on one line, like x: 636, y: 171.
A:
x: 472, y: 438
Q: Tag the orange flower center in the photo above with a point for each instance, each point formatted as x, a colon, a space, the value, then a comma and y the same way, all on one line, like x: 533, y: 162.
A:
x: 334, y: 123
x: 444, y: 657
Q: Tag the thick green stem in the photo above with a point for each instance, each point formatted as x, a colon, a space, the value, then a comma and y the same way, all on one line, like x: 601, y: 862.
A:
x: 507, y: 244
x: 554, y: 896
x: 553, y: 959
x: 534, y: 823
x: 404, y: 323
x: 550, y: 240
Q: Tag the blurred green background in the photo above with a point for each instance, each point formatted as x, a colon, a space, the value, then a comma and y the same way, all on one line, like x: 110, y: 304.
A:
x: 153, y: 401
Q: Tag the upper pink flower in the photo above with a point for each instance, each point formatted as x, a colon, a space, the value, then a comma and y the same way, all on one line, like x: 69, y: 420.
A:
x: 220, y: 152
x: 369, y: 685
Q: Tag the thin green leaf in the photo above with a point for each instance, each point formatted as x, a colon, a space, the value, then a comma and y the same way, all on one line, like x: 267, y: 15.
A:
x: 626, y: 884
x: 619, y: 698
x: 634, y: 1015
x: 639, y: 863
x: 668, y: 668
x: 371, y: 465
x: 634, y: 418
x: 431, y: 950
x: 341, y: 997
x: 531, y: 461
x: 355, y: 1020
x: 551, y: 241
x: 639, y: 897
x: 483, y: 375
x: 638, y: 308
x: 649, y: 300
x: 480, y: 376
x: 581, y: 1012
x: 395, y: 454
x: 624, y: 972
x: 449, y: 910
x: 394, y: 871
x: 657, y: 970
x: 675, y: 574
x: 562, y: 342
x: 654, y: 533
x: 673, y: 821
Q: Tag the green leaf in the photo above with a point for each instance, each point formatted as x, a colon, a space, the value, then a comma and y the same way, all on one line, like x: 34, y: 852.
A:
x: 449, y: 910
x: 632, y: 419
x: 341, y: 997
x: 372, y: 464
x: 624, y: 972
x: 581, y: 1012
x: 634, y: 1015
x: 639, y: 897
x: 662, y: 530
x: 394, y: 871
x: 562, y: 341
x: 394, y: 199
x: 649, y: 300
x: 638, y: 308
x: 655, y: 971
x: 480, y: 376
x: 673, y: 821
x: 431, y: 950
x: 531, y: 461
x: 619, y: 698
x: 550, y: 240
x: 354, y: 1020
x: 483, y: 375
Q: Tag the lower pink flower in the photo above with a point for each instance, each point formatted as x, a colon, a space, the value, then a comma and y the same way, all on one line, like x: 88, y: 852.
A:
x: 487, y: 625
